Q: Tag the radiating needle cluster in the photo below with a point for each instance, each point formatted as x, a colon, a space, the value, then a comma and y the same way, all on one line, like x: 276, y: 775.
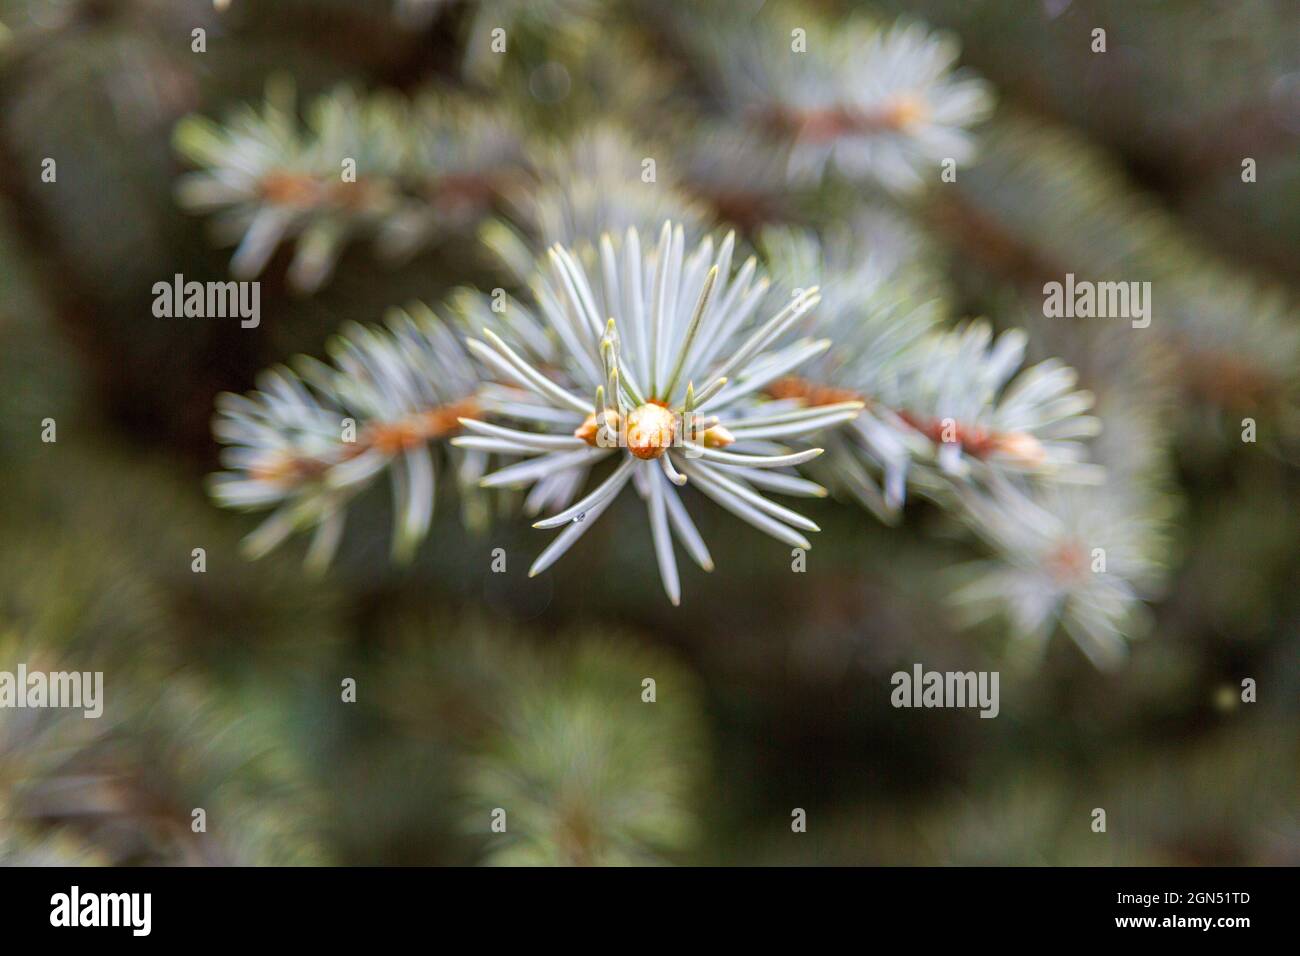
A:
x: 664, y: 363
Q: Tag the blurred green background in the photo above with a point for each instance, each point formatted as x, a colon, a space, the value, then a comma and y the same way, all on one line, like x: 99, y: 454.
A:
x: 476, y: 690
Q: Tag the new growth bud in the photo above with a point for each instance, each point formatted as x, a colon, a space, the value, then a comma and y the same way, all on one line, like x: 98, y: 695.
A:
x: 650, y: 431
x: 590, y: 430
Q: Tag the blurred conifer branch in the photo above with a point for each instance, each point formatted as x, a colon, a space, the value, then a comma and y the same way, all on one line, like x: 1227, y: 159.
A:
x: 947, y: 410
x: 402, y: 172
x: 1043, y: 202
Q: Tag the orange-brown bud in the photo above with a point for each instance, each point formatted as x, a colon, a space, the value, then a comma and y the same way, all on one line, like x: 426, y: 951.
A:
x: 1021, y: 446
x: 287, y: 471
x: 905, y: 111
x: 290, y: 189
x: 650, y: 431
x: 589, y: 430
x: 811, y: 393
